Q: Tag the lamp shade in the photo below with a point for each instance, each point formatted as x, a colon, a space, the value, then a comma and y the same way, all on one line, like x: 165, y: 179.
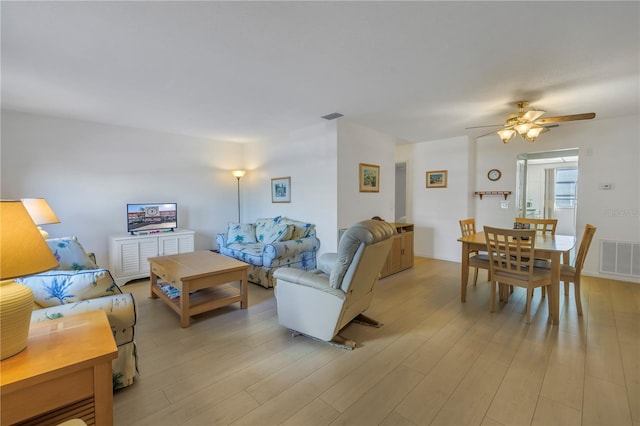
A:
x: 40, y: 211
x: 23, y: 251
x: 238, y: 173
x: 506, y: 134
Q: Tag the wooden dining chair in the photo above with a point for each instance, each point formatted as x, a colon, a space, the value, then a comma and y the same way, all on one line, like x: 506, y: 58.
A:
x: 511, y: 263
x: 476, y: 259
x: 571, y: 274
x: 542, y: 226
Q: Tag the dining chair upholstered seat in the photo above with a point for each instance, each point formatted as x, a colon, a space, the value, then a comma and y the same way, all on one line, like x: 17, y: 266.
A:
x: 571, y: 274
x: 511, y: 263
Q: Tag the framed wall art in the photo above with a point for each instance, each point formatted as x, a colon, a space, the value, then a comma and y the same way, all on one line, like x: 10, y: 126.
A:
x: 437, y: 179
x: 281, y: 190
x: 369, y: 178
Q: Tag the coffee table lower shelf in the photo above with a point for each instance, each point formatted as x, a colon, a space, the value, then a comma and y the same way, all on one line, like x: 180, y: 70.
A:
x: 201, y: 301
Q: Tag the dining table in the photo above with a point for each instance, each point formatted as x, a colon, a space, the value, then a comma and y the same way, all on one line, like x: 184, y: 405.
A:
x: 556, y: 248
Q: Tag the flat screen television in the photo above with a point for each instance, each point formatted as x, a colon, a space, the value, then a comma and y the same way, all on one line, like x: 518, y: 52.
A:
x: 152, y: 217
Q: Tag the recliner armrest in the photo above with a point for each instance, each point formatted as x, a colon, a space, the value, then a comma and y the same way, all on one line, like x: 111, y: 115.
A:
x: 313, y: 279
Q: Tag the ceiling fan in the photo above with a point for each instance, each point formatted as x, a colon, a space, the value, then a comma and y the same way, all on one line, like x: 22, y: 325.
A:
x: 529, y: 125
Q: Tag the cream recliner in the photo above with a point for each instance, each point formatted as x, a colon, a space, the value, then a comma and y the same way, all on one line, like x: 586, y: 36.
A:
x: 321, y: 302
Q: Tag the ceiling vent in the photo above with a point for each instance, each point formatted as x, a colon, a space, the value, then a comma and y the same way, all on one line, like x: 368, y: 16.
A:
x: 332, y: 116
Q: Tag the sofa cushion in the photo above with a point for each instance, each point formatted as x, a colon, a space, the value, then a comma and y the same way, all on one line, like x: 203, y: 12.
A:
x: 300, y: 229
x: 70, y: 254
x: 271, y: 230
x: 55, y: 287
x: 241, y: 233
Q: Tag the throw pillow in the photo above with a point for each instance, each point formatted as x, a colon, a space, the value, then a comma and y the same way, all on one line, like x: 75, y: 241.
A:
x: 244, y: 233
x: 300, y: 229
x: 70, y: 254
x: 279, y: 232
x: 265, y: 226
x: 52, y: 288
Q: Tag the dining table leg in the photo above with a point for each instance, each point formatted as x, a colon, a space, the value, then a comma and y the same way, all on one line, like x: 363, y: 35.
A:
x: 465, y: 272
x: 554, y: 297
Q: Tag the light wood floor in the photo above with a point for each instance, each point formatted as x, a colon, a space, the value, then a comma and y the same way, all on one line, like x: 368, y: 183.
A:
x: 436, y: 361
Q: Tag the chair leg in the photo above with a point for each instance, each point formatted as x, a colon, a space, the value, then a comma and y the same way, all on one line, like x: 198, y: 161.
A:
x: 368, y: 321
x: 504, y: 293
x: 576, y: 291
x: 475, y: 276
x: 492, y: 299
x: 343, y: 343
x: 529, y: 297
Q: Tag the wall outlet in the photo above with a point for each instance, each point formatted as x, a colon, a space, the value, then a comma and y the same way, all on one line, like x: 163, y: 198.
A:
x: 504, y: 204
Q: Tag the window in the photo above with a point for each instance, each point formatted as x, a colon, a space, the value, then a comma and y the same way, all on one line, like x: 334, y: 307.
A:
x: 565, y: 190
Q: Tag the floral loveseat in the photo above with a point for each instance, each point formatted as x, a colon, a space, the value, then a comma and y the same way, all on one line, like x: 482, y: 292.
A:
x: 77, y: 286
x: 269, y: 244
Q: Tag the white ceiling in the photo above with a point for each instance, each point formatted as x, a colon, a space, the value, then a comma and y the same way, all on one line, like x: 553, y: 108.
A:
x: 250, y: 71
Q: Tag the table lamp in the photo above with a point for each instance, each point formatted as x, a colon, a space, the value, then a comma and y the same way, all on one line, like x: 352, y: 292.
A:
x: 23, y: 251
x: 41, y: 213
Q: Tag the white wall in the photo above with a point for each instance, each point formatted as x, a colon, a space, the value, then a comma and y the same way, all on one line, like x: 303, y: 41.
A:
x: 88, y: 172
x: 358, y: 144
x: 435, y: 211
x: 609, y: 153
x: 308, y: 156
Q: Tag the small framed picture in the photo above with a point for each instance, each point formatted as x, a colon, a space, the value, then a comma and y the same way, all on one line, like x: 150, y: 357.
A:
x: 437, y: 179
x: 369, y: 178
x: 281, y: 190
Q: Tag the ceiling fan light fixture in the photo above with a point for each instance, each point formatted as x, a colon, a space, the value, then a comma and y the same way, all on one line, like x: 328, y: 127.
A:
x: 506, y: 135
x: 523, y: 128
x: 535, y: 131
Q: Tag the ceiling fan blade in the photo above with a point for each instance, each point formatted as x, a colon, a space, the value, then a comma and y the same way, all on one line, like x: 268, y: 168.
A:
x: 482, y: 127
x: 532, y: 115
x: 486, y: 134
x: 563, y: 118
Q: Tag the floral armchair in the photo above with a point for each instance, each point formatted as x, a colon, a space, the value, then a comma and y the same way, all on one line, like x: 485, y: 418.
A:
x: 77, y: 286
x: 269, y: 244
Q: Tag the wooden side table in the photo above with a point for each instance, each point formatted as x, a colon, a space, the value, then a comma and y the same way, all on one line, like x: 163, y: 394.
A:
x: 64, y: 373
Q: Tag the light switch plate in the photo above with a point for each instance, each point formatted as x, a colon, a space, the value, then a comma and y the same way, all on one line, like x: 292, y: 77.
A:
x: 504, y: 204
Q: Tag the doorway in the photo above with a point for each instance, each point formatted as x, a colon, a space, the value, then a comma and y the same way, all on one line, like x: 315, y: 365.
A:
x: 547, y: 187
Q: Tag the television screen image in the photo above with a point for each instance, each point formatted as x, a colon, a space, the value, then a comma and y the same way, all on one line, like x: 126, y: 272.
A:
x: 152, y: 216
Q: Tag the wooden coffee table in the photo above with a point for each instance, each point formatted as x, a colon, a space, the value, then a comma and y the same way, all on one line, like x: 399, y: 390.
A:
x: 205, y: 273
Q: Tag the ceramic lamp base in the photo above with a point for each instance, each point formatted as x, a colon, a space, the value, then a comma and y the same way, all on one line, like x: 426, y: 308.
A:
x: 16, y: 304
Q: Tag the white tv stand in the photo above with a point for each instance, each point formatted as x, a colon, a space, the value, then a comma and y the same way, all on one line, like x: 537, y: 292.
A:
x: 128, y: 254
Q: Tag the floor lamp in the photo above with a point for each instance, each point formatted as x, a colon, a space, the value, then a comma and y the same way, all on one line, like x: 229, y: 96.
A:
x: 238, y: 174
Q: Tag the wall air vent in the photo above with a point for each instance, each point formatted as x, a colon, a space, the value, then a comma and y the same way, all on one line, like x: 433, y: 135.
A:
x: 620, y: 257
x: 332, y: 116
